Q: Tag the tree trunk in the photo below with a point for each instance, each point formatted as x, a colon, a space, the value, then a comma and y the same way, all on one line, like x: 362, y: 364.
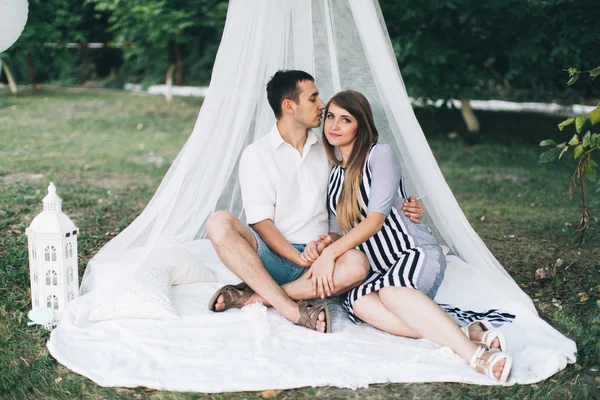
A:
x: 469, y: 116
x: 169, y: 83
x: 112, y: 77
x: 31, y: 69
x: 178, y: 73
x: 12, y: 85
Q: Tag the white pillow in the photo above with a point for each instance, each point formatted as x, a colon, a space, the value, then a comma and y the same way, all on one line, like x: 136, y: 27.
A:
x: 186, y: 268
x: 147, y: 296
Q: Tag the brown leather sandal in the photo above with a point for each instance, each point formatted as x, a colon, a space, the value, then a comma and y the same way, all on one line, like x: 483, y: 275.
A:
x: 234, y: 296
x: 309, y: 315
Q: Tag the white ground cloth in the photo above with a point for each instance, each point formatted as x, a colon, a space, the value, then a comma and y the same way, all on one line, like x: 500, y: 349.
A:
x: 344, y: 44
x: 257, y: 349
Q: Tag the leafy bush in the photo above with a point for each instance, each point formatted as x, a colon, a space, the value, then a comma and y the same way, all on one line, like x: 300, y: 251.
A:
x: 584, y: 147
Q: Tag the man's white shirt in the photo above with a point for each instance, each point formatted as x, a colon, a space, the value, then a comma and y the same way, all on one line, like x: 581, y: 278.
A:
x: 288, y: 188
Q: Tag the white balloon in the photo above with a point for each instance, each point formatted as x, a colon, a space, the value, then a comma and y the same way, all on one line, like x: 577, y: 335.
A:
x: 13, y: 15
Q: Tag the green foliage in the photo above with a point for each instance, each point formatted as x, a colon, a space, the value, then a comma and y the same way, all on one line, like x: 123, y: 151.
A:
x: 586, y: 145
x: 566, y: 122
x: 58, y: 21
x: 583, y: 147
x: 159, y: 29
x: 445, y: 48
x: 511, y: 48
x: 156, y: 28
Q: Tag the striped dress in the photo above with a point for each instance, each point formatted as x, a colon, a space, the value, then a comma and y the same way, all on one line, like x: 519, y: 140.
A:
x: 402, y: 253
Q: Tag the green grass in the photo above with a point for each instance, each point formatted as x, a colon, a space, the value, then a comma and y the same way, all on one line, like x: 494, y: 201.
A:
x: 106, y: 167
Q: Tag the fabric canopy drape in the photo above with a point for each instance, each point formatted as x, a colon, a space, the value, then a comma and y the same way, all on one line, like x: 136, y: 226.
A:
x: 344, y: 44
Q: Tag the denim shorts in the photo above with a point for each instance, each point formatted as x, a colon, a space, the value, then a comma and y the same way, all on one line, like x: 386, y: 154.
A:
x: 280, y: 269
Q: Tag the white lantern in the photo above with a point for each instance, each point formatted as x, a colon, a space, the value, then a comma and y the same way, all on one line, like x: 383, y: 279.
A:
x: 52, y: 241
x: 13, y: 15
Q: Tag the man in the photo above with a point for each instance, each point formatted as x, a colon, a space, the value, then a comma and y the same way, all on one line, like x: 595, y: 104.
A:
x: 283, y: 177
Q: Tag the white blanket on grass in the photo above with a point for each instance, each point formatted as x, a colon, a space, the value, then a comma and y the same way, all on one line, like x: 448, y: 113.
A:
x: 256, y: 349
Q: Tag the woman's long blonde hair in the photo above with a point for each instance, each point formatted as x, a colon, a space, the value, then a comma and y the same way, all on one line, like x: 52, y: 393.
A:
x: 348, y: 206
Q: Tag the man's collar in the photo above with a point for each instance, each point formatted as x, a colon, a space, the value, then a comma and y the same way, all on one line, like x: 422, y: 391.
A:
x: 311, y: 138
x: 276, y: 140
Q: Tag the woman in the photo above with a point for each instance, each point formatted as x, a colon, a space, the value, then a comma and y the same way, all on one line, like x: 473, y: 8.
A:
x: 365, y: 197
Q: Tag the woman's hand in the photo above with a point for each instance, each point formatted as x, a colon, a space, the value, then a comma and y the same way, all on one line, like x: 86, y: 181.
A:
x: 321, y: 273
x: 313, y: 250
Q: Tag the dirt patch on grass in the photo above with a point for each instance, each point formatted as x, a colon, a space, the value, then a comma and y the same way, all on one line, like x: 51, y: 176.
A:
x: 10, y: 179
x: 107, y: 181
x: 489, y: 178
x: 151, y: 158
x: 113, y: 181
x: 83, y: 107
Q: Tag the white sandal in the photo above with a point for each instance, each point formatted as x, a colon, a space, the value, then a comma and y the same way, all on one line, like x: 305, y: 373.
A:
x: 488, y: 365
x: 489, y: 334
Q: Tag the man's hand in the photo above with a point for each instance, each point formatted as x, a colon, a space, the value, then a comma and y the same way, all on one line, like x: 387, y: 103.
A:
x: 313, y: 250
x: 414, y: 209
x: 321, y: 273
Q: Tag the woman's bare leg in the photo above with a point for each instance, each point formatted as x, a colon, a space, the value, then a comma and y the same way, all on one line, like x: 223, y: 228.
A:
x: 371, y: 310
x: 408, y: 312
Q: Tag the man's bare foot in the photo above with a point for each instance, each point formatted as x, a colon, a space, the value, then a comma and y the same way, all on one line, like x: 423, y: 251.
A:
x: 476, y: 334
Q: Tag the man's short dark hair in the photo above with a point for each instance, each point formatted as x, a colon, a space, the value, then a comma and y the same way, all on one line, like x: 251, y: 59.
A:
x: 284, y: 85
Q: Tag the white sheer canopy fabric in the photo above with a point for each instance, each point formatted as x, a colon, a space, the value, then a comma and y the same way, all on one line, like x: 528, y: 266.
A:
x: 344, y: 44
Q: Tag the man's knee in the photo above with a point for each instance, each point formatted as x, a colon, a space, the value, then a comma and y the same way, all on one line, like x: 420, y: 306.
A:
x: 219, y: 225
x: 355, y: 266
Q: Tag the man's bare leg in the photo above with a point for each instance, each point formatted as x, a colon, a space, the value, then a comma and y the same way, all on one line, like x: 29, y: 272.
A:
x: 236, y: 246
x: 351, y: 269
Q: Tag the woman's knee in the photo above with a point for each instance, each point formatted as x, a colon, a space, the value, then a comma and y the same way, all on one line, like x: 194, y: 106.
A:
x: 218, y: 225
x: 397, y: 294
x: 365, y: 307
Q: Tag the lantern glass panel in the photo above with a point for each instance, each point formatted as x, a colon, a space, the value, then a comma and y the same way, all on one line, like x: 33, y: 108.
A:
x: 52, y: 302
x: 51, y: 278
x: 68, y: 250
